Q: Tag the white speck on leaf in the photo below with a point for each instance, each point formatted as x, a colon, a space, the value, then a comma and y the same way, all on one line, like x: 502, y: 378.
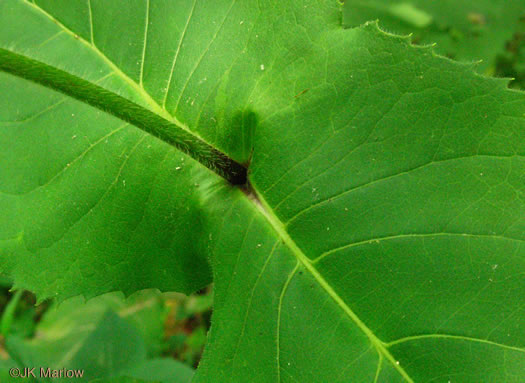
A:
x: 262, y: 66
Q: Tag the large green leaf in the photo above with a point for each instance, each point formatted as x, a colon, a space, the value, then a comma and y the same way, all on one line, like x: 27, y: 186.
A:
x: 380, y: 236
x: 470, y: 30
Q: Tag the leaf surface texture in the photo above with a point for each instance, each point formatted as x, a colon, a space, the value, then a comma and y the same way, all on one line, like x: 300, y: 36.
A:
x: 381, y: 236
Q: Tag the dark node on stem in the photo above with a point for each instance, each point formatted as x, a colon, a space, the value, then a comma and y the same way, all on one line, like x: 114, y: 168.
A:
x: 238, y: 173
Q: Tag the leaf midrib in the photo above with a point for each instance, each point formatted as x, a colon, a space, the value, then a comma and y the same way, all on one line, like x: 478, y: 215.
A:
x: 279, y: 228
x: 380, y: 346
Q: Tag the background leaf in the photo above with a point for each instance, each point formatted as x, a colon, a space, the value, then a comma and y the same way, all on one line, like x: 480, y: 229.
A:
x: 163, y: 371
x: 465, y: 30
x: 107, y: 337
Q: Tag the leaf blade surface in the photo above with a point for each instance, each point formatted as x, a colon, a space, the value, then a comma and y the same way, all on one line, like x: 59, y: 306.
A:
x: 386, y: 210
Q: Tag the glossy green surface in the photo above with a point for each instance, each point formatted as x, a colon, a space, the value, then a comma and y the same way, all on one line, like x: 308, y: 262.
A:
x: 381, y: 239
x: 467, y: 30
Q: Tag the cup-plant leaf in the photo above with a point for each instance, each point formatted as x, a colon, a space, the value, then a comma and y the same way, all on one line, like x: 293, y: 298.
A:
x: 379, y: 236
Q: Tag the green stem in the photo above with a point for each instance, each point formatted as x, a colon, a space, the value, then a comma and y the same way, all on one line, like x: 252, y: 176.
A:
x: 162, y: 126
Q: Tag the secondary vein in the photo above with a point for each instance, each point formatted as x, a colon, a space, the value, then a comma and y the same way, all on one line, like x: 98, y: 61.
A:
x: 453, y: 337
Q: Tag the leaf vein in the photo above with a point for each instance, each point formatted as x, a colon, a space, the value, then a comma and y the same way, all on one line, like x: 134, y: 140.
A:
x: 452, y: 337
x: 144, y: 45
x: 412, y: 235
x: 199, y: 61
x: 279, y: 310
x: 176, y: 56
x: 405, y: 172
x: 249, y: 305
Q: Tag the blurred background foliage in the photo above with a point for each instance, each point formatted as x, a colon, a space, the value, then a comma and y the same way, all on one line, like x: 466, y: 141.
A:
x: 488, y: 32
x: 149, y: 337
x: 512, y: 62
